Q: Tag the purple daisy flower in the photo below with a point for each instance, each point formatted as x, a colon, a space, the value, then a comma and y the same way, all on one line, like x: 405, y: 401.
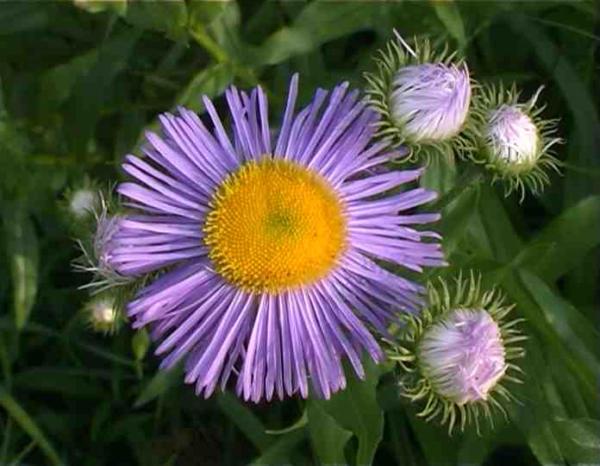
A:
x: 271, y: 251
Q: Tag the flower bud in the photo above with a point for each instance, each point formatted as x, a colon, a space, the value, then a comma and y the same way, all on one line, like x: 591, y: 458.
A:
x: 83, y: 202
x: 458, y: 353
x: 512, y: 140
x: 102, y: 313
x: 423, y: 98
x: 512, y: 137
x: 463, y: 355
x: 429, y: 102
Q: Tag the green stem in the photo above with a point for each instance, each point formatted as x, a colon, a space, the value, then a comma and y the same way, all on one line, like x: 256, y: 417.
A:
x: 469, y: 179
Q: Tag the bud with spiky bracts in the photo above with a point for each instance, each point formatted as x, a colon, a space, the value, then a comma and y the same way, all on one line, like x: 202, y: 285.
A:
x: 422, y: 97
x: 98, y: 249
x: 102, y: 313
x: 512, y: 141
x: 458, y: 353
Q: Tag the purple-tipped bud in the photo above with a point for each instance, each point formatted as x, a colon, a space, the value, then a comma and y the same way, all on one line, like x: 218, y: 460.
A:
x: 104, y: 244
x: 463, y: 355
x: 430, y: 102
x: 512, y: 136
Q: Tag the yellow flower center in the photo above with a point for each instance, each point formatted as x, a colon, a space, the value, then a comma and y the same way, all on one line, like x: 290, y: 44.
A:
x: 274, y: 225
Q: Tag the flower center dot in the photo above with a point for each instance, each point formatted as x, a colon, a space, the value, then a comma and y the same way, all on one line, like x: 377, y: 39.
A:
x: 274, y: 225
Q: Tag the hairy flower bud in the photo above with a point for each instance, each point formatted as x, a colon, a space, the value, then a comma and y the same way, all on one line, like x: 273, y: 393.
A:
x: 457, y: 354
x: 423, y: 98
x: 512, y: 137
x: 430, y: 102
x: 463, y: 355
x: 102, y: 313
x: 512, y: 140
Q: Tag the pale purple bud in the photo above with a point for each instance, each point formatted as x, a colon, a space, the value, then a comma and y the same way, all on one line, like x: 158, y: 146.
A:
x: 512, y: 136
x: 463, y: 356
x: 430, y: 102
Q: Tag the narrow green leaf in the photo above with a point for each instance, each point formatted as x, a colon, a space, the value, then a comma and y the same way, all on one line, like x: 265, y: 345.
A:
x: 565, y: 242
x: 356, y: 409
x: 211, y: 82
x: 22, y: 250
x: 319, y: 22
x: 160, y: 383
x: 245, y: 420
x: 327, y: 437
x: 448, y: 13
x: 20, y: 416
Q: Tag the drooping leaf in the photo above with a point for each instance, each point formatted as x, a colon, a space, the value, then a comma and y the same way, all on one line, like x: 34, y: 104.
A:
x: 245, y: 420
x: 328, y: 439
x: 356, y: 409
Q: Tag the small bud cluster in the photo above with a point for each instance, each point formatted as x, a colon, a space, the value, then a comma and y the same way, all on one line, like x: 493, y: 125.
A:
x: 428, y: 101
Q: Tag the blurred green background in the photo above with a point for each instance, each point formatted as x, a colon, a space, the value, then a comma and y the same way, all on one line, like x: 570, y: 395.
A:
x: 79, y: 82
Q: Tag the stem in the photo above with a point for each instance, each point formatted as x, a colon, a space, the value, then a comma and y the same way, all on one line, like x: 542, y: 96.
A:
x: 470, y: 178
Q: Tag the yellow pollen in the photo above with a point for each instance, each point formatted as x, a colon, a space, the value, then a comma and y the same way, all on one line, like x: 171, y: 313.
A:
x: 274, y: 225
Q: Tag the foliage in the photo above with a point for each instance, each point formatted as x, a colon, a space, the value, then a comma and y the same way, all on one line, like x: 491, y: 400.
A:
x: 79, y: 83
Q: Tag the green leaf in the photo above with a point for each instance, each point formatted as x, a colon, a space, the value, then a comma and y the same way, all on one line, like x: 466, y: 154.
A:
x: 579, y: 439
x: 22, y: 250
x: 448, y: 13
x: 319, y: 22
x: 533, y: 417
x: 57, y: 83
x: 20, y: 416
x: 82, y: 110
x: 279, y: 451
x: 245, y: 420
x: 565, y: 242
x: 299, y: 424
x: 327, y: 437
x: 211, y: 82
x: 169, y: 16
x: 356, y: 409
x: 162, y: 381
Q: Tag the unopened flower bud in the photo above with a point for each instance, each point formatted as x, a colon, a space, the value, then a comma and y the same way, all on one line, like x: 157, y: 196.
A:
x: 463, y: 355
x: 423, y: 98
x: 102, y: 313
x: 458, y: 353
x: 512, y: 140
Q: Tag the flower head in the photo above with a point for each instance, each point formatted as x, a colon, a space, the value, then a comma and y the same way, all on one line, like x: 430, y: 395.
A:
x: 269, y: 252
x: 423, y: 98
x: 513, y: 141
x: 458, y: 353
